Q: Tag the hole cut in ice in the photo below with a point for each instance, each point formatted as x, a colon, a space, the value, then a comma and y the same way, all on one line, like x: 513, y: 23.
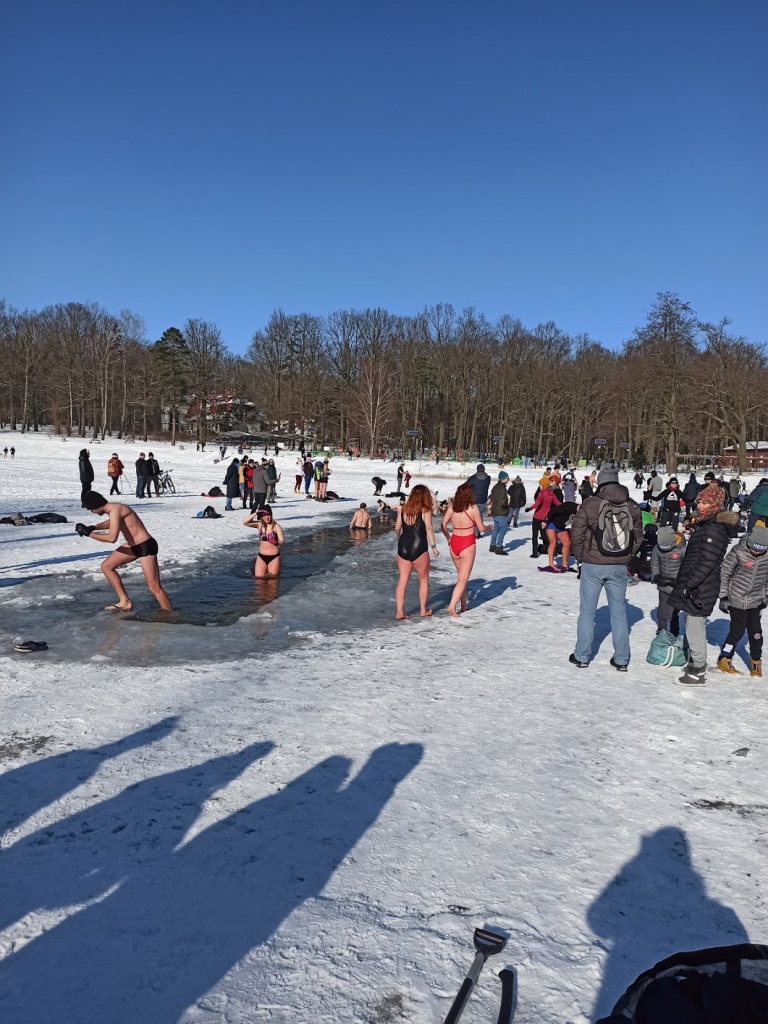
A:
x: 331, y: 581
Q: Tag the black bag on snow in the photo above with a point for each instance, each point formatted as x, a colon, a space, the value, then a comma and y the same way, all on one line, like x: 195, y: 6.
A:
x: 720, y: 985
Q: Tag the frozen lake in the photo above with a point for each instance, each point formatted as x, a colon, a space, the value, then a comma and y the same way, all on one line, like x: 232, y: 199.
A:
x: 326, y: 587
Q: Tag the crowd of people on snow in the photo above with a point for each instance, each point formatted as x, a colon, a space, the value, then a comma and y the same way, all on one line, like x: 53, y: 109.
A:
x: 677, y: 539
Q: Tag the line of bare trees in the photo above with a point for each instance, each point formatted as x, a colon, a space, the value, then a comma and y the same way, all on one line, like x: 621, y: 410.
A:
x: 440, y: 379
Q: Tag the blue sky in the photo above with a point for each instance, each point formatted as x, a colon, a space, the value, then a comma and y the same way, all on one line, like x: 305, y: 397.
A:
x: 553, y: 160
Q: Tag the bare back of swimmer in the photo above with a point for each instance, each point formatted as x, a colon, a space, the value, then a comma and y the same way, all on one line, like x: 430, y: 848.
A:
x: 360, y: 520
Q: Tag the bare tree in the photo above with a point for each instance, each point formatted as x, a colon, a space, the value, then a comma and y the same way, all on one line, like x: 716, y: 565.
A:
x: 735, y: 383
x: 204, y: 358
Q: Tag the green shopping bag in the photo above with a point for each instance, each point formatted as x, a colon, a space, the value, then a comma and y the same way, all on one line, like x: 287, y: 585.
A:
x: 668, y: 651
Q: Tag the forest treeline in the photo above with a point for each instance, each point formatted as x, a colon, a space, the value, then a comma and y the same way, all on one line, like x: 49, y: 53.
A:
x: 676, y: 387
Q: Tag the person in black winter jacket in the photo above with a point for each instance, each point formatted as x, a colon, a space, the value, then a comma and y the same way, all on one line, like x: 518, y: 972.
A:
x: 232, y: 483
x: 480, y: 483
x: 517, y: 500
x: 585, y: 489
x: 697, y: 588
x: 672, y: 506
x: 153, y: 475
x: 86, y: 474
x: 690, y: 490
x: 142, y: 475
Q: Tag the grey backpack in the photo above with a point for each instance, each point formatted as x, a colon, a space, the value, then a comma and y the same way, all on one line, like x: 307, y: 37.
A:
x: 613, y: 533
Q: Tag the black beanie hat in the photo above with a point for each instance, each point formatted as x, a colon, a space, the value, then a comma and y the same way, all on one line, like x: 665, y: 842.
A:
x: 94, y: 500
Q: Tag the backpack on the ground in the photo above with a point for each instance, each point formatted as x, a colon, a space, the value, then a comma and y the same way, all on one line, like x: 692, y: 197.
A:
x: 668, y: 651
x: 613, y: 533
x: 720, y: 985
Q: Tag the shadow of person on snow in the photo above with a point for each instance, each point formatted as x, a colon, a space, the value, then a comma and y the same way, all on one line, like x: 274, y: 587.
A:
x: 655, y: 906
x: 182, y: 916
x: 479, y: 591
x: 27, y: 789
x: 603, y: 624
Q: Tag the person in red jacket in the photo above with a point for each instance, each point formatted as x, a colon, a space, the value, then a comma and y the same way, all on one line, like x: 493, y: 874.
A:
x: 248, y: 483
x: 543, y: 502
x: 114, y: 472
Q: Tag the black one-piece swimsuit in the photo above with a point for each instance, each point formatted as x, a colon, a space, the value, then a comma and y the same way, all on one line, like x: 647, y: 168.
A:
x: 412, y: 543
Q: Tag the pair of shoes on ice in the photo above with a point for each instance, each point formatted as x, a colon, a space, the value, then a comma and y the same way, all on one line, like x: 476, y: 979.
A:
x: 725, y: 664
x: 496, y: 550
x: 31, y: 646
x: 585, y: 664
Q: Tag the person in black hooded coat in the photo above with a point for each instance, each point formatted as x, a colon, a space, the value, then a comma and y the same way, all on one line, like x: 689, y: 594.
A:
x: 232, y: 483
x: 697, y: 588
x: 86, y: 474
x: 690, y: 490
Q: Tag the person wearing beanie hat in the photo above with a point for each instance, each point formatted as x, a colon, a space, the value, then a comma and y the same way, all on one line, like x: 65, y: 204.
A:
x: 709, y: 501
x: 569, y: 487
x: 114, y: 472
x: 544, y: 500
x: 743, y: 595
x: 698, y: 585
x: 517, y: 500
x: 480, y: 483
x: 606, y: 532
x: 86, y: 474
x: 500, y: 514
x: 672, y: 504
x: 139, y: 546
x: 666, y: 559
x: 607, y: 476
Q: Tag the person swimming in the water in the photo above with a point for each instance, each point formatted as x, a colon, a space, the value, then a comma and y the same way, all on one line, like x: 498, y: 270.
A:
x: 361, y: 520
x: 271, y: 539
x: 139, y: 545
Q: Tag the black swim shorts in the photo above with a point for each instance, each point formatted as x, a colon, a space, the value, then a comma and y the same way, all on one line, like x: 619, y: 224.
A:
x: 147, y: 547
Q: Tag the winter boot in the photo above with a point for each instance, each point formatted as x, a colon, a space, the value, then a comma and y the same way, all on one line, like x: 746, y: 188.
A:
x: 693, y: 676
x: 756, y: 668
x: 725, y: 664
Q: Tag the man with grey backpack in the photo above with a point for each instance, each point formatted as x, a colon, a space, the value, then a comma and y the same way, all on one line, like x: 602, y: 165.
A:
x: 606, y: 532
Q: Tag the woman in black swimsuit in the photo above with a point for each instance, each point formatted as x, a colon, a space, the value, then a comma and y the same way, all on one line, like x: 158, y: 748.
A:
x: 270, y: 540
x: 415, y: 537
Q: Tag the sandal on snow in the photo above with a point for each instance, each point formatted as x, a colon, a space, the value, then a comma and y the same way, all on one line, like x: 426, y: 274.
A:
x: 31, y: 646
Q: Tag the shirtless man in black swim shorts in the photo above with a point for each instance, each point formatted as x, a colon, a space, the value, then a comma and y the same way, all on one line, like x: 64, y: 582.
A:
x: 361, y: 520
x: 138, y: 545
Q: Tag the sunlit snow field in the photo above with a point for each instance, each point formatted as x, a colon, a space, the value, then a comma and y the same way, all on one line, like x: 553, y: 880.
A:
x: 293, y: 808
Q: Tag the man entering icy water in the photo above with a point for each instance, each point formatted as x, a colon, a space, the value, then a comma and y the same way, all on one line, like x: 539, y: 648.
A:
x: 138, y: 545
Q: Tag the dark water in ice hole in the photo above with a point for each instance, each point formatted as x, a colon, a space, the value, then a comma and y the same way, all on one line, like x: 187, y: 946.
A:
x: 331, y: 582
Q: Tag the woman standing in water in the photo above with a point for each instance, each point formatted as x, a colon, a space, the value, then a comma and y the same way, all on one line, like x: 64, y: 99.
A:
x: 270, y: 541
x: 415, y: 537
x: 465, y: 517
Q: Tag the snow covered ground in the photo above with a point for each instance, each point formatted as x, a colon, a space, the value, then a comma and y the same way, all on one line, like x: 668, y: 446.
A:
x: 309, y: 831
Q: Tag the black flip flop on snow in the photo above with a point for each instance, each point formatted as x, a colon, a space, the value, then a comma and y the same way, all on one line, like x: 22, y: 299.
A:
x: 31, y: 646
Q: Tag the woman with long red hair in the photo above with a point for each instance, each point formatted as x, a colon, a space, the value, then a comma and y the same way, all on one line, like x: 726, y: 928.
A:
x: 415, y: 536
x: 465, y: 517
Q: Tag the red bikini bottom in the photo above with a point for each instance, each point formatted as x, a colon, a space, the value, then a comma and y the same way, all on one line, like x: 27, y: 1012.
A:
x: 459, y: 544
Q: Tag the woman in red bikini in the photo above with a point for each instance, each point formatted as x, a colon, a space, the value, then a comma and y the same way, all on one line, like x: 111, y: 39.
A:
x: 270, y: 540
x: 465, y: 517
